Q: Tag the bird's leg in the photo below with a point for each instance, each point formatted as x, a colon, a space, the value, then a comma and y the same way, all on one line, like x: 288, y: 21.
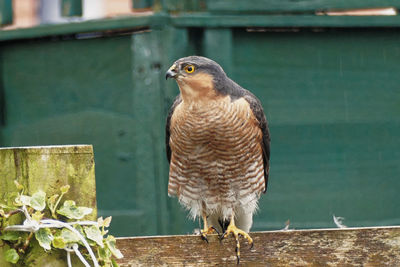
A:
x: 232, y: 229
x: 206, y: 230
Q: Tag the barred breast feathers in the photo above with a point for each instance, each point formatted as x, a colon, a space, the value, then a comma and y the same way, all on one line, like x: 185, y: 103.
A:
x: 216, y: 158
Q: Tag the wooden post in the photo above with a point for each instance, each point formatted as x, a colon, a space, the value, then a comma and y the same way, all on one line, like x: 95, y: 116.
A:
x: 377, y: 246
x: 48, y: 168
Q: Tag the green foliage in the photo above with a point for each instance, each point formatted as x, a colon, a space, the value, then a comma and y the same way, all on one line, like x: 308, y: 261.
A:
x: 54, y: 200
x: 71, y: 211
x: 93, y: 233
x: 11, y: 255
x: 68, y: 236
x: 44, y: 237
x: 55, y: 234
x: 58, y: 242
x: 38, y: 201
x: 10, y: 236
x: 112, y: 246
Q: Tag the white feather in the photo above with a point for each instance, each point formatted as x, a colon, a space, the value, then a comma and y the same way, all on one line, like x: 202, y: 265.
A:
x: 339, y: 221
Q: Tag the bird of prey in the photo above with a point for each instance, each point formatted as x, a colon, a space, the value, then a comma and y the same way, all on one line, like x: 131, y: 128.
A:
x: 218, y: 148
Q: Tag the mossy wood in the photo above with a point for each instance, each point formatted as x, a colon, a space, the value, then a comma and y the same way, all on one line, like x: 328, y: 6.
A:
x: 377, y: 246
x: 48, y: 168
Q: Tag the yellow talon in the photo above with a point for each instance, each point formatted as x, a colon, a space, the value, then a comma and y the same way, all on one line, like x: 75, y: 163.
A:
x: 207, y: 230
x: 232, y: 229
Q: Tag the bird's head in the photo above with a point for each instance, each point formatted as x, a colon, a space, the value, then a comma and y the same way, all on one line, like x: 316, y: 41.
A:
x: 197, y: 77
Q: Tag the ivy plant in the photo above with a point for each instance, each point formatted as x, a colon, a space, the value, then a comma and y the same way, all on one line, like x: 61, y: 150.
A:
x: 55, y: 226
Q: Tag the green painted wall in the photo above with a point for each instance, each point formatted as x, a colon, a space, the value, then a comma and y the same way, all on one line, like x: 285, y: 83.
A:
x: 333, y: 102
x: 331, y: 96
x: 76, y: 91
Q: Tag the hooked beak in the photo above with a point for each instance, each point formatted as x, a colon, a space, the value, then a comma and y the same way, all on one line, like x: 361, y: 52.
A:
x: 171, y: 73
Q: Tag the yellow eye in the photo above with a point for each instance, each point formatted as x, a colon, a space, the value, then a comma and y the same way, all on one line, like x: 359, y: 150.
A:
x: 189, y: 68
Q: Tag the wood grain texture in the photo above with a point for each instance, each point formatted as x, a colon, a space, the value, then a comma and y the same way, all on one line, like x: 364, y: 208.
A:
x: 376, y: 246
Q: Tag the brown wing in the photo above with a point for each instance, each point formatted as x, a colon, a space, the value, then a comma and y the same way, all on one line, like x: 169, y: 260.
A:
x: 177, y: 101
x: 258, y: 112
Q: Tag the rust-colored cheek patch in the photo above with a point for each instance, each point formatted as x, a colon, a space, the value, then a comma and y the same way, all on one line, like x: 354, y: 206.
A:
x: 197, y: 86
x: 200, y: 82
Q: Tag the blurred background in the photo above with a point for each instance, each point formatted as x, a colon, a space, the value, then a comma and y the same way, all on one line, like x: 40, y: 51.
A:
x: 28, y: 13
x: 327, y: 73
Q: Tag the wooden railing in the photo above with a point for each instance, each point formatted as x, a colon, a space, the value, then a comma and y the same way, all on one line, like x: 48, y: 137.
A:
x: 375, y: 246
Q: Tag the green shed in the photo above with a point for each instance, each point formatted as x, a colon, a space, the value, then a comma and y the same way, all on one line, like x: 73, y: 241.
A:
x: 329, y: 86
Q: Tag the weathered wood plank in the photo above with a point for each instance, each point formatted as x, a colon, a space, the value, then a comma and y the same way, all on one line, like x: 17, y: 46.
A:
x: 376, y: 246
